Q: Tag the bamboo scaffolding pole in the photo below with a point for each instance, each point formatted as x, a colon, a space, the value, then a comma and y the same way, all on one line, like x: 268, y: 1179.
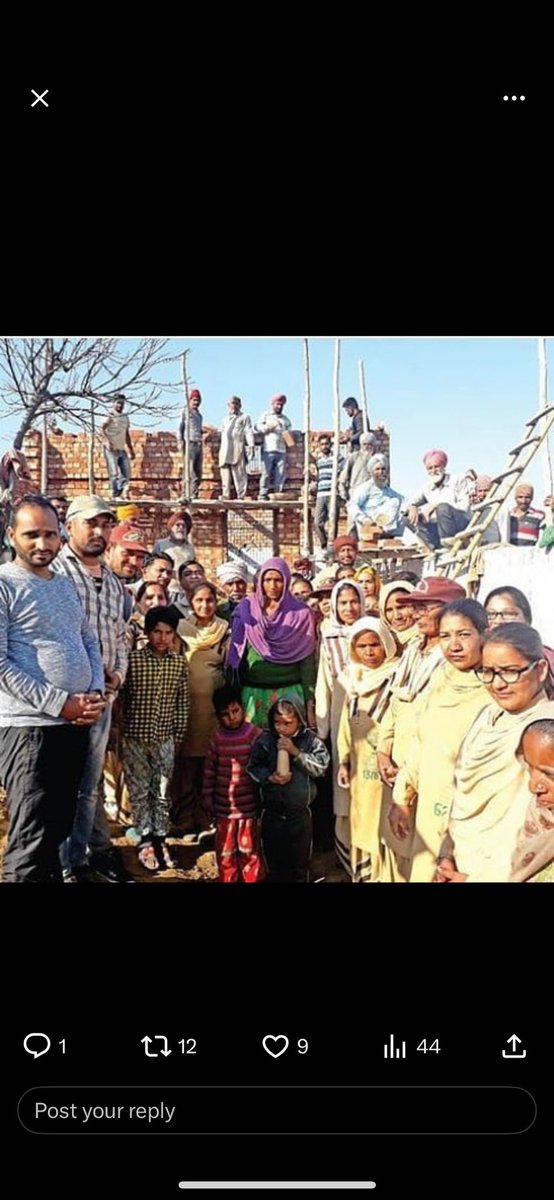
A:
x: 91, y: 485
x: 306, y: 539
x: 363, y: 394
x: 336, y: 447
x: 186, y: 456
x: 44, y: 457
x: 546, y: 458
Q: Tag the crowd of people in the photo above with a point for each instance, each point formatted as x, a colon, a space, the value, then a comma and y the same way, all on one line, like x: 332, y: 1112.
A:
x: 403, y: 723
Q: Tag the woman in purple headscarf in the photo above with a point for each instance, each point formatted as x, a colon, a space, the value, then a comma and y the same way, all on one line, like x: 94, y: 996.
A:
x: 272, y: 645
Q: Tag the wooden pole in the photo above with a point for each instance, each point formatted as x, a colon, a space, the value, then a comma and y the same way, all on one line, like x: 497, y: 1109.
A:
x: 44, y: 457
x: 306, y: 539
x: 91, y: 482
x: 546, y: 458
x: 186, y: 457
x: 336, y: 439
x: 363, y: 395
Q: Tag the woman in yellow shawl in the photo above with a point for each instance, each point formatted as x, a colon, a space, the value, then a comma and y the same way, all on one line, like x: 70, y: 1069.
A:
x: 371, y: 583
x: 412, y: 676
x: 207, y: 639
x: 396, y: 611
x: 491, y: 794
x: 373, y: 654
x: 424, y: 786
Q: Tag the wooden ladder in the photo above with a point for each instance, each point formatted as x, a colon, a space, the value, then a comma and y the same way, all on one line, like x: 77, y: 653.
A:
x: 462, y: 547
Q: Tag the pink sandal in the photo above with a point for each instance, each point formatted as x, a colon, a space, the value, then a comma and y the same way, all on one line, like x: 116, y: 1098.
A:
x: 169, y: 862
x: 147, y: 857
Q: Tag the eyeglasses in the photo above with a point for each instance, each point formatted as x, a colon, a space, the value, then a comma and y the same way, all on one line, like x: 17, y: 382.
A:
x: 507, y: 674
x: 502, y: 616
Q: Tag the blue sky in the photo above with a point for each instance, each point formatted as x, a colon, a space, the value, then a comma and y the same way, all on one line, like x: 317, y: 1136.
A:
x: 468, y: 396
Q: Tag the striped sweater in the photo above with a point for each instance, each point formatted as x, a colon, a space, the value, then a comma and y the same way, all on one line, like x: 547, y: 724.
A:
x: 228, y: 788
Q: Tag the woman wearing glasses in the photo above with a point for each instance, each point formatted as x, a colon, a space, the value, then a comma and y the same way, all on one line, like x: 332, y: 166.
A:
x: 505, y: 604
x: 491, y: 795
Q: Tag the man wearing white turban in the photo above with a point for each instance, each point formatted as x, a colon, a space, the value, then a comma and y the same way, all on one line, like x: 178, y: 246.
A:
x: 375, y: 502
x: 233, y: 577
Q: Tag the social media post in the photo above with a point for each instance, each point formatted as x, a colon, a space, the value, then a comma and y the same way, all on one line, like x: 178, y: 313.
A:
x: 280, y: 617
x: 300, y: 1104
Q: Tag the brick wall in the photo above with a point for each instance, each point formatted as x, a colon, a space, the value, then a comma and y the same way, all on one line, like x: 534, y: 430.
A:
x: 157, y: 475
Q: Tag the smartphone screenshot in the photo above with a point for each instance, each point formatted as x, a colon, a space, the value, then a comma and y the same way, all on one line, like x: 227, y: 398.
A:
x: 160, y: 1041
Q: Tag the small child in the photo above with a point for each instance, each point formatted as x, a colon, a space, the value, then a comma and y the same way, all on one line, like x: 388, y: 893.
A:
x: 229, y: 794
x: 155, y: 699
x: 287, y: 793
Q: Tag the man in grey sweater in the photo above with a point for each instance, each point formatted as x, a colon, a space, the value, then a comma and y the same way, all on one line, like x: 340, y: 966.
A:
x: 51, y: 692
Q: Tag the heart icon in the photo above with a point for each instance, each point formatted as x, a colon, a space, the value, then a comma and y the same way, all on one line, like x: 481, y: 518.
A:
x: 275, y: 1040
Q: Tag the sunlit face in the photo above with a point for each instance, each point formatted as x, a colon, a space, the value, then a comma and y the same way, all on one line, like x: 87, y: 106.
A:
x: 232, y: 716
x: 118, y: 406
x: 195, y: 403
x: 349, y: 608
x: 524, y: 497
x: 427, y: 617
x: 273, y: 585
x: 234, y: 405
x: 399, y: 616
x: 160, y: 638
x: 346, y: 556
x: 513, y: 697
x: 481, y: 492
x: 203, y: 605
x: 190, y: 576
x: 461, y: 643
x: 538, y: 752
x: 369, y: 649
x: 345, y: 573
x: 324, y: 446
x: 89, y: 537
x: 435, y: 473
x: 325, y: 605
x: 35, y: 537
x: 369, y: 584
x: 286, y: 724
x: 126, y: 563
x: 236, y: 589
x: 178, y: 532
x: 152, y: 596
x: 503, y: 609
x: 158, y: 571
x: 278, y: 405
x: 301, y: 589
x: 379, y: 473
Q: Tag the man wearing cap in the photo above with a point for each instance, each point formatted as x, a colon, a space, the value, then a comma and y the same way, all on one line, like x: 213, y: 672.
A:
x: 236, y: 446
x: 90, y: 523
x: 51, y: 693
x: 375, y: 507
x: 233, y: 576
x: 353, y: 435
x: 125, y: 557
x: 272, y: 424
x: 442, y: 508
x: 194, y: 438
x: 116, y: 438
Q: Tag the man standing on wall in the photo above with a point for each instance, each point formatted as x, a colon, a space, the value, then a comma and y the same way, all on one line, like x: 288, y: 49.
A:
x: 116, y: 439
x: 195, y: 441
x: 236, y: 446
x: 273, y: 425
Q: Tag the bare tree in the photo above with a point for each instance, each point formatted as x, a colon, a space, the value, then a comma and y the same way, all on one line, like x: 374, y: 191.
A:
x: 70, y: 378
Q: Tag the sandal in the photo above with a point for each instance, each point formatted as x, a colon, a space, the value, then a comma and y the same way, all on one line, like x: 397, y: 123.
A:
x: 168, y: 862
x: 147, y: 857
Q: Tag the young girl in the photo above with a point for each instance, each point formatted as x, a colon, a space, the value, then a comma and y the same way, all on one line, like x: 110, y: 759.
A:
x: 373, y: 658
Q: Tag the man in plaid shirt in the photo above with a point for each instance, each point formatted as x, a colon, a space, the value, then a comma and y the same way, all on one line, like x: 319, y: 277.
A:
x: 155, y: 715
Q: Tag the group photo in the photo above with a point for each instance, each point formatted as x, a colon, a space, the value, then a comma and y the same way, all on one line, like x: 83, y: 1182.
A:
x: 276, y: 610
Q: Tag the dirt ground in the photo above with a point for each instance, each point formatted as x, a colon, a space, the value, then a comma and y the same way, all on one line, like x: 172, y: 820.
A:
x: 196, y: 864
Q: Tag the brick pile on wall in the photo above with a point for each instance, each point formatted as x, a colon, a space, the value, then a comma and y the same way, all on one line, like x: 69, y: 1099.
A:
x: 157, y: 474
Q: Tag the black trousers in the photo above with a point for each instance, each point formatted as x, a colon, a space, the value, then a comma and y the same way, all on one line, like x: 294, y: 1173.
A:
x: 287, y: 845
x: 41, y: 768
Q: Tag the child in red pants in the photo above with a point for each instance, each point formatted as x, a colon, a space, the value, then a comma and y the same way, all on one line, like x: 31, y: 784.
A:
x: 230, y: 795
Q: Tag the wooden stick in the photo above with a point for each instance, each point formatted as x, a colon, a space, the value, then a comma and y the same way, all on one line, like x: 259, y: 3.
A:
x: 307, y: 416
x: 186, y: 459
x: 336, y: 446
x: 363, y: 395
x: 546, y: 458
x: 91, y: 484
